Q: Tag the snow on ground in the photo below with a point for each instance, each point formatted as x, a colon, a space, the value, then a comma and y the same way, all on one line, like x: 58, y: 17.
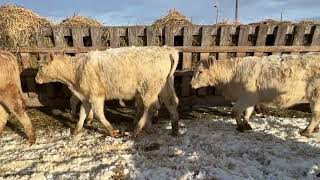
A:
x: 209, y: 147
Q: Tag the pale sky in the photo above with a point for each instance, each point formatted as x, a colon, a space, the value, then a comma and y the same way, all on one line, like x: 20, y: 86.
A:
x: 132, y: 12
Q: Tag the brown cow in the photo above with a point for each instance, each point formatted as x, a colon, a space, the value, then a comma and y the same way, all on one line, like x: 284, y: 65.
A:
x: 11, y: 96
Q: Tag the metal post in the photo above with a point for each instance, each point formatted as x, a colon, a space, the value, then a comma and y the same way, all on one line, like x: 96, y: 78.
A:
x: 237, y: 12
x: 217, y: 13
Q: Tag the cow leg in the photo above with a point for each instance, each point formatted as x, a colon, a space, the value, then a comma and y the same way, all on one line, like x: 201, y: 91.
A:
x: 169, y: 98
x: 155, y: 118
x: 73, y: 105
x: 150, y: 107
x: 246, y: 117
x: 139, y: 109
x: 14, y: 102
x: 3, y: 118
x: 84, y: 112
x: 315, y: 120
x: 90, y: 117
x: 241, y: 105
x: 97, y: 104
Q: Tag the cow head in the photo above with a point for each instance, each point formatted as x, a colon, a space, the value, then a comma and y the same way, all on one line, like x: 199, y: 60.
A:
x: 48, y: 71
x: 202, y: 76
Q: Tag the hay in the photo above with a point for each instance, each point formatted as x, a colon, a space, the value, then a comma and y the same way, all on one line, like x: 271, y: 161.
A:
x: 310, y: 21
x: 196, y: 40
x: 124, y: 41
x: 80, y: 21
x: 19, y: 26
x: 105, y: 37
x: 214, y: 40
x: 174, y: 19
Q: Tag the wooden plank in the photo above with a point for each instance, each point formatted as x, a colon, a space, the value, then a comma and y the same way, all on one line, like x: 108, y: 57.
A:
x: 95, y: 33
x: 150, y: 36
x: 132, y: 36
x: 211, y: 100
x: 298, y: 35
x: 114, y: 37
x: 316, y: 36
x: 141, y: 30
x: 205, y: 41
x: 58, y: 36
x: 262, y: 37
x: 47, y: 31
x: 26, y: 64
x: 169, y: 37
x: 243, y: 38
x: 77, y: 37
x: 186, y: 61
x: 281, y: 36
x: 185, y: 49
x: 224, y: 40
x: 256, y: 49
x: 40, y: 39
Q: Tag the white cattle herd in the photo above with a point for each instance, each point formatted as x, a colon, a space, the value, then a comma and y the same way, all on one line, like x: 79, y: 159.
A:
x: 146, y: 74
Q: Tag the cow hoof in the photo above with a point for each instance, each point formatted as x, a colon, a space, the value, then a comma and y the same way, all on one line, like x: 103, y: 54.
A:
x: 75, y: 132
x: 31, y: 141
x: 241, y: 128
x: 315, y: 130
x: 116, y: 133
x: 305, y: 133
x: 247, y: 127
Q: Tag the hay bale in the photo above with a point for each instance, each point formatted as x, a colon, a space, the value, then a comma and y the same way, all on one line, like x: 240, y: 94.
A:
x: 19, y: 26
x: 174, y: 19
x: 80, y: 21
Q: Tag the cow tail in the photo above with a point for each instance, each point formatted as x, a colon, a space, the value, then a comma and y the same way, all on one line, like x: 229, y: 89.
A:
x: 174, y: 57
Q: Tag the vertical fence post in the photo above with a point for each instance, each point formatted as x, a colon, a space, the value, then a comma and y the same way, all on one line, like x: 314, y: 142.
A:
x: 243, y: 38
x: 169, y: 37
x: 298, y: 35
x: 58, y: 36
x: 316, y: 36
x: 186, y: 61
x: 77, y: 37
x: 224, y: 40
x: 95, y: 33
x: 205, y: 41
x: 132, y: 36
x: 262, y: 37
x: 114, y: 37
x: 150, y: 36
x: 281, y: 36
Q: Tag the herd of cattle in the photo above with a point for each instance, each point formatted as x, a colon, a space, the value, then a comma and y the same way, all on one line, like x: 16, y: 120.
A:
x: 146, y: 74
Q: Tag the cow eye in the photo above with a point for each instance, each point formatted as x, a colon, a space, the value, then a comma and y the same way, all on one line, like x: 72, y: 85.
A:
x: 200, y: 72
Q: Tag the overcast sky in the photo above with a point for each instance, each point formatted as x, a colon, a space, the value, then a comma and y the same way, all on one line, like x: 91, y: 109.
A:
x: 130, y: 12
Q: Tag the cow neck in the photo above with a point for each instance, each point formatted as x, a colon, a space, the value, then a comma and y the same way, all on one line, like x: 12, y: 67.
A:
x: 224, y: 71
x: 68, y: 73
